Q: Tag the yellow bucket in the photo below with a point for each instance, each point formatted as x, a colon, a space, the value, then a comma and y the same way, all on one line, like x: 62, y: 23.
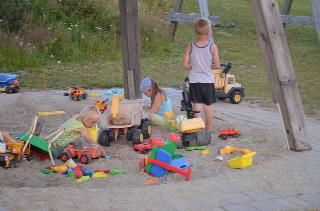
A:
x: 242, y: 161
x: 93, y: 133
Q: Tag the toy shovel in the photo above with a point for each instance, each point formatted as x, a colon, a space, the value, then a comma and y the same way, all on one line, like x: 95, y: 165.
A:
x: 195, y: 148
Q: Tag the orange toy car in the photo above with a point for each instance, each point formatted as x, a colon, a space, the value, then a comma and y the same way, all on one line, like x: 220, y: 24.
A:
x: 85, y: 154
x: 78, y: 93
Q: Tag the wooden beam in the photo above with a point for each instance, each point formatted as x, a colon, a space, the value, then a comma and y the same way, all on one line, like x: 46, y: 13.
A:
x: 301, y: 20
x: 174, y: 24
x: 189, y: 18
x: 277, y: 58
x: 287, y: 7
x: 316, y: 15
x: 130, y: 47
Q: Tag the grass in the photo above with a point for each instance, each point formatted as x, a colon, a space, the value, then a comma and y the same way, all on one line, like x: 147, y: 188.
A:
x: 92, y: 57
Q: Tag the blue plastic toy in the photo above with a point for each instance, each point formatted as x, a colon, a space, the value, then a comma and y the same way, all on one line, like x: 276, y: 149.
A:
x: 9, y: 83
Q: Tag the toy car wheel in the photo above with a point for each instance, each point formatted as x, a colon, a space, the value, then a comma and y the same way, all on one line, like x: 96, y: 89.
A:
x: 78, y: 98
x: 137, y: 136
x: 16, y: 90
x: 224, y: 137
x: 65, y: 156
x: 129, y: 134
x: 8, y: 90
x: 146, y: 128
x: 85, y: 159
x: 144, y: 151
x: 235, y: 135
x: 85, y: 96
x: 29, y: 157
x: 103, y: 138
x: 236, y: 97
x: 111, y: 135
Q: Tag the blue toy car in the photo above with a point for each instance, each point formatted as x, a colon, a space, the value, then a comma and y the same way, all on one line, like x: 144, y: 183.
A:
x: 9, y: 83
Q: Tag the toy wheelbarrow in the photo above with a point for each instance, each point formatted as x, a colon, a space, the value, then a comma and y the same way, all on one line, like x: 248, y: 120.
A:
x: 126, y: 115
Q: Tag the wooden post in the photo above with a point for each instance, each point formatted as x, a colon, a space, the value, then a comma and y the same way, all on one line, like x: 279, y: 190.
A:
x: 316, y: 15
x: 204, y: 11
x: 174, y: 24
x: 130, y: 47
x: 275, y: 50
x: 287, y: 8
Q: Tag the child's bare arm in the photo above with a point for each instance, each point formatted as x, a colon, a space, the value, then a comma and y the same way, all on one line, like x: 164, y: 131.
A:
x: 156, y: 104
x: 186, y: 57
x: 216, y: 59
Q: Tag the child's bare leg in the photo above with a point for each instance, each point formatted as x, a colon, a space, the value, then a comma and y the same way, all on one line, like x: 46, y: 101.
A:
x: 197, y: 108
x: 208, y: 111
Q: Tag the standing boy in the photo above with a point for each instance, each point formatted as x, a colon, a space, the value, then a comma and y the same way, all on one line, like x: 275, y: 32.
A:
x: 200, y: 57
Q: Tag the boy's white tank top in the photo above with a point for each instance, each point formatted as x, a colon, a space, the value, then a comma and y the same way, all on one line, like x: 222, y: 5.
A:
x: 201, y: 61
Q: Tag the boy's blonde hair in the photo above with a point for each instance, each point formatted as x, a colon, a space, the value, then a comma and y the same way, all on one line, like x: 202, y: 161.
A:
x: 90, y: 113
x: 202, y: 26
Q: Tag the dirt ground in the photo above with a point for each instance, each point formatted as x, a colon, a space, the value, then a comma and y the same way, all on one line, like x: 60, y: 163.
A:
x: 260, y: 131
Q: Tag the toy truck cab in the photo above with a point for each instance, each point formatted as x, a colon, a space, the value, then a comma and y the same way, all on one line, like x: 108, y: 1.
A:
x: 225, y: 85
x: 9, y: 83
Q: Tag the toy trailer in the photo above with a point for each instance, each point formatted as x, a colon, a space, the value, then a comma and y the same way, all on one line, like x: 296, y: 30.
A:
x: 126, y: 115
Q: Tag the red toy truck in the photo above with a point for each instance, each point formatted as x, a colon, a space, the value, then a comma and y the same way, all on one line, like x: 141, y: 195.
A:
x: 229, y: 132
x: 145, y: 148
x: 85, y: 154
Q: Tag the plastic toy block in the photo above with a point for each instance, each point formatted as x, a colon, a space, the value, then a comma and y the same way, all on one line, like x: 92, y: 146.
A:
x: 87, y: 172
x: 152, y: 154
x: 99, y: 175
x: 164, y: 157
x: 59, y: 169
x: 169, y: 147
x: 83, y: 179
x: 185, y: 173
x: 118, y: 172
x: 181, y: 163
x: 192, y: 125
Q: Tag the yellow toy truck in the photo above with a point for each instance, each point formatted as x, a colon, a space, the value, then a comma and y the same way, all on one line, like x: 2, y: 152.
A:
x: 225, y: 85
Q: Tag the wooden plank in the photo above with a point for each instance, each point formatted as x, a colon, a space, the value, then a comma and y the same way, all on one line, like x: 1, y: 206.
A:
x: 130, y: 47
x: 189, y: 18
x: 174, y: 24
x: 287, y: 7
x: 316, y: 15
x: 277, y: 59
x: 204, y: 11
x: 301, y: 20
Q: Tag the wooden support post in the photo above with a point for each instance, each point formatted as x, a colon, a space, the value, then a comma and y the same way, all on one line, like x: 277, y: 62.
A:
x: 204, y: 11
x: 130, y: 47
x: 287, y: 7
x: 275, y: 50
x: 174, y: 24
x: 316, y: 15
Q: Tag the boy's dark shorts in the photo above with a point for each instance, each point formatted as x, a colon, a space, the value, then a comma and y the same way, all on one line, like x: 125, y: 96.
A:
x: 202, y: 93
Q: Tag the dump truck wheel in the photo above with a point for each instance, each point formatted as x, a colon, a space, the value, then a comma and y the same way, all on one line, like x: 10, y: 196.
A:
x: 103, y: 138
x: 146, y: 128
x: 111, y: 135
x: 29, y: 157
x: 137, y: 136
x: 85, y: 96
x: 236, y: 97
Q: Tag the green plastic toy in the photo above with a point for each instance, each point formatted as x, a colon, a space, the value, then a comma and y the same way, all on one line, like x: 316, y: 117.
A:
x: 117, y: 172
x: 83, y: 179
x: 195, y: 148
x: 47, y: 171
